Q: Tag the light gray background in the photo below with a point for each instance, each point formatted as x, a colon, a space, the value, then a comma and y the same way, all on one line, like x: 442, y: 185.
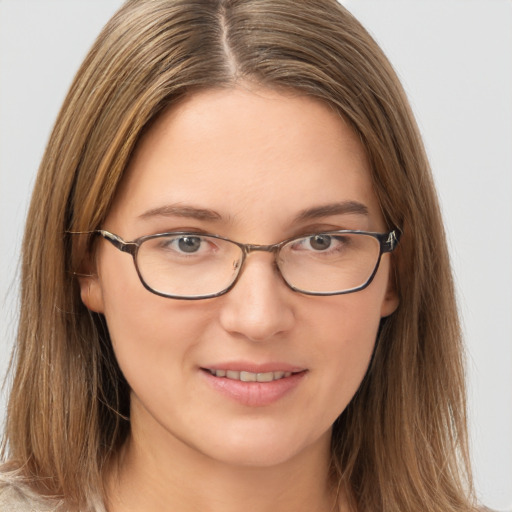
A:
x: 455, y: 60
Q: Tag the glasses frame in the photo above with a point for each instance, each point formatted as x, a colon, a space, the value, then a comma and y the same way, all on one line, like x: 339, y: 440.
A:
x: 387, y: 243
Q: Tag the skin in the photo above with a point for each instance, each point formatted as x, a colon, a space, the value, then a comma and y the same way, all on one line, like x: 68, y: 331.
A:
x: 258, y: 158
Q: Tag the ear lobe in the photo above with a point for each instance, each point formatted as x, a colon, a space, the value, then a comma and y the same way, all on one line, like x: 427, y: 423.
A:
x: 91, y: 293
x: 390, y: 301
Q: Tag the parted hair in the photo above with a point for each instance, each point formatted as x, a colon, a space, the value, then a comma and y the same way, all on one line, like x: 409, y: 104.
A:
x: 401, y: 444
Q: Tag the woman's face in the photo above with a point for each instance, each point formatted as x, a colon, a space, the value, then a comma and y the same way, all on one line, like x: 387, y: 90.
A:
x: 255, y: 166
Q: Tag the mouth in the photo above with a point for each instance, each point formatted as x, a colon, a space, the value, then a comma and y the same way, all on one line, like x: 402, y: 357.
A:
x: 263, y: 386
x: 245, y: 376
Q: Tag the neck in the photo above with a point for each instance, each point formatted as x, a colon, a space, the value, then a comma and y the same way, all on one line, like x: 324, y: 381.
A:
x: 147, y: 476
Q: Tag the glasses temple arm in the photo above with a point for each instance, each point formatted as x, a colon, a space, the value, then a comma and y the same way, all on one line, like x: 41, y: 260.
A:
x: 392, y: 240
x: 117, y: 241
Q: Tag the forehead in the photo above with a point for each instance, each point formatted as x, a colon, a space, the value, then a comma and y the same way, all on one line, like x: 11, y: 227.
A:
x: 247, y: 153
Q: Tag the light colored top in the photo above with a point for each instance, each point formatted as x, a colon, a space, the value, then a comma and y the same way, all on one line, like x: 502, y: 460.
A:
x: 16, y: 496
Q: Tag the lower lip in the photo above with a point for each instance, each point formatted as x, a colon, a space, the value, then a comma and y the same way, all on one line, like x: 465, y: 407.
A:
x: 254, y: 394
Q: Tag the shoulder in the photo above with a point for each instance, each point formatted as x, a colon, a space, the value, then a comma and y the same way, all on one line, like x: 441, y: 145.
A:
x: 17, y: 497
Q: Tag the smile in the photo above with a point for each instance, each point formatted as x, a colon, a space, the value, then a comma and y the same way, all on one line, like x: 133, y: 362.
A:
x: 265, y: 385
x: 244, y: 376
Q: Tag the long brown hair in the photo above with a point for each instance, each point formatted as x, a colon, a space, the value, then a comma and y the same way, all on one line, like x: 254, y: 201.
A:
x: 401, y: 444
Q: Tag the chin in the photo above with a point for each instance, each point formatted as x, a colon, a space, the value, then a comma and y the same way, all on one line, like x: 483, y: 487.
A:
x: 264, y: 448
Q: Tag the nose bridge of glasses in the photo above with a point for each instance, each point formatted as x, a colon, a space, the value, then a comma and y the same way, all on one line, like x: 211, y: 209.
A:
x: 248, y: 248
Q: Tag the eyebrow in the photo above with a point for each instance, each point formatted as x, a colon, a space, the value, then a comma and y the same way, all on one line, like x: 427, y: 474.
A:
x: 176, y: 210
x: 315, y: 212
x: 341, y: 208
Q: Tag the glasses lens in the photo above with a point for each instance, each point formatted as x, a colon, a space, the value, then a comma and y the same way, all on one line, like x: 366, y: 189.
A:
x: 329, y: 262
x: 188, y: 265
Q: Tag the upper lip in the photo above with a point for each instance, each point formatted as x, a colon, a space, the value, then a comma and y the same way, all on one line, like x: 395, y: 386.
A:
x: 246, y: 366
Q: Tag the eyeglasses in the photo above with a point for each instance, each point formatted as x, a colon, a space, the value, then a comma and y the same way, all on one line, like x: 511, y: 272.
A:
x: 188, y: 265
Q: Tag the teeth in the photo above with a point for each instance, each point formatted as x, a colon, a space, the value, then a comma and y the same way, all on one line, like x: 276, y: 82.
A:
x: 265, y: 377
x: 249, y: 376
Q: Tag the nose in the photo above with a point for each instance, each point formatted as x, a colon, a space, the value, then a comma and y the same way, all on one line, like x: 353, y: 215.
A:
x: 260, y: 305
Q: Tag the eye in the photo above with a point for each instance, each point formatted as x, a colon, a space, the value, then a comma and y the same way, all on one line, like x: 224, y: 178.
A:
x: 182, y: 245
x: 188, y: 244
x: 319, y: 242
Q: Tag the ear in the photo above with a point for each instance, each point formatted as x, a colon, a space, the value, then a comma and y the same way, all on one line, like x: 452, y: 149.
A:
x: 91, y: 292
x: 390, y: 301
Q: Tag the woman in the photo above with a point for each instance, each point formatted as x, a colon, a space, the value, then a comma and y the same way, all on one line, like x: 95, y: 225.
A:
x: 290, y: 337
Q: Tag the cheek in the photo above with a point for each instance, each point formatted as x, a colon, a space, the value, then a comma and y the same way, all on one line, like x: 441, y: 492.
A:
x: 155, y: 339
x: 344, y: 342
x: 348, y: 323
x: 144, y: 328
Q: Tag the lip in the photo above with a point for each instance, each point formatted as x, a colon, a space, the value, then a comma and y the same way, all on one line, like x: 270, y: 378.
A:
x: 254, y: 394
x: 252, y: 367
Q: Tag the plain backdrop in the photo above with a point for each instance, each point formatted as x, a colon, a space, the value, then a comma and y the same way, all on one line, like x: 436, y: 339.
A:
x: 455, y: 60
